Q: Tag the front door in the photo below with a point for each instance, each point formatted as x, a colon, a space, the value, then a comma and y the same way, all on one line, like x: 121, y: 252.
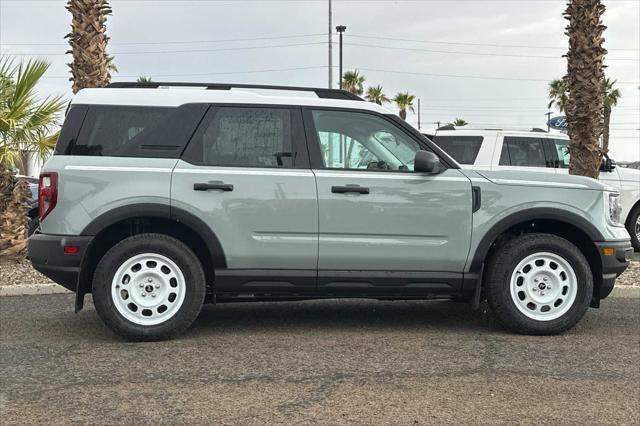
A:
x: 246, y: 174
x: 382, y: 226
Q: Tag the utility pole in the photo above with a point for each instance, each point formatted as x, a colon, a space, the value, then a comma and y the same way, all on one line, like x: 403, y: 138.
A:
x: 548, y: 114
x: 330, y: 48
x: 418, y: 113
x: 341, y: 29
x: 438, y: 124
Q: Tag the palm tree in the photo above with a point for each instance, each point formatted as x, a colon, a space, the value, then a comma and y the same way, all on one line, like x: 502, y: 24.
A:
x: 611, y: 97
x: 404, y: 101
x: 458, y: 122
x: 26, y: 125
x: 558, y: 94
x: 143, y: 79
x: 585, y: 74
x: 88, y: 40
x: 376, y: 95
x: 353, y: 81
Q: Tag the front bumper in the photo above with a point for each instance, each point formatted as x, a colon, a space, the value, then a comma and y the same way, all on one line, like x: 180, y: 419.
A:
x: 48, y: 257
x: 615, y: 258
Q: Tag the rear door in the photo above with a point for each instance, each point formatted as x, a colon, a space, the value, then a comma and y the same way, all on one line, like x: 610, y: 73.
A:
x: 382, y: 227
x: 246, y: 174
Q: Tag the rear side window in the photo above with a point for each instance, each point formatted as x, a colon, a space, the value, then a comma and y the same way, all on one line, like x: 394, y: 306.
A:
x: 523, y: 152
x: 243, y: 137
x: 464, y: 149
x: 110, y: 130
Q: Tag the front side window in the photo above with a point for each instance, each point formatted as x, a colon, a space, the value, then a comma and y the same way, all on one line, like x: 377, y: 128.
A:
x: 354, y: 140
x: 523, y: 152
x: 562, y: 148
x: 111, y: 130
x: 464, y: 149
x: 243, y: 137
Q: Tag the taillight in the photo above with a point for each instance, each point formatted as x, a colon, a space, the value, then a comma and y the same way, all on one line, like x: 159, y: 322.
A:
x: 47, y: 193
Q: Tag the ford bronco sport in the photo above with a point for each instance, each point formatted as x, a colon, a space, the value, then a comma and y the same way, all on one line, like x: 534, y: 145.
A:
x: 161, y: 197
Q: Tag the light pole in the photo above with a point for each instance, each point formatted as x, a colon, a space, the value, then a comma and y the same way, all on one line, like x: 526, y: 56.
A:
x: 341, y: 29
x: 548, y: 114
x: 330, y: 48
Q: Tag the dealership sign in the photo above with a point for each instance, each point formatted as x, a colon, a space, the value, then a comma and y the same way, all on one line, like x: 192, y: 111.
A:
x: 558, y: 123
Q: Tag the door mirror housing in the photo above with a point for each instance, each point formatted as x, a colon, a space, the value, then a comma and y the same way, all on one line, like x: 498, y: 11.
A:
x: 426, y: 162
x: 607, y: 165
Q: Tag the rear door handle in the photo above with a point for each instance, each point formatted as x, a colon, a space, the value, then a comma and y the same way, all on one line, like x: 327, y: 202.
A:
x: 349, y: 188
x: 209, y: 185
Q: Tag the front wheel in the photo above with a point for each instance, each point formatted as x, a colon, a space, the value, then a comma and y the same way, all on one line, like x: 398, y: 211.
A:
x: 633, y: 226
x: 538, y: 284
x: 149, y: 287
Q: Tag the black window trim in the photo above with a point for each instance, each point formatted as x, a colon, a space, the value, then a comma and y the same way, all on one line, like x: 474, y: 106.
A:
x: 298, y: 138
x: 313, y: 141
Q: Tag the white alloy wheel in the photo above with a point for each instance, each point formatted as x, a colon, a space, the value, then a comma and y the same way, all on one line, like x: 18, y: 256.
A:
x: 638, y: 228
x: 543, y: 286
x: 148, y: 289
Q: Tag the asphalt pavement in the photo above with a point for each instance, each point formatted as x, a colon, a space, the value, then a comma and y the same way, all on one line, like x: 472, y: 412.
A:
x: 320, y: 362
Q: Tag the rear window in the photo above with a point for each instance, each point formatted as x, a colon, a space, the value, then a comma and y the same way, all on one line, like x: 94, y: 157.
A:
x: 110, y: 130
x: 464, y: 149
x: 243, y: 137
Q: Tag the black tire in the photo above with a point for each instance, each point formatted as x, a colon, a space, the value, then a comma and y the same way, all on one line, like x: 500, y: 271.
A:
x: 631, y: 227
x: 163, y: 245
x: 500, y: 268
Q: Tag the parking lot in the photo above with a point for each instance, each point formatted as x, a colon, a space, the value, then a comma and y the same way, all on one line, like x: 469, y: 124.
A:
x: 319, y: 362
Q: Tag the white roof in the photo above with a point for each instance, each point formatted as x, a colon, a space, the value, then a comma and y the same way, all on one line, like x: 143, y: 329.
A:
x: 176, y: 96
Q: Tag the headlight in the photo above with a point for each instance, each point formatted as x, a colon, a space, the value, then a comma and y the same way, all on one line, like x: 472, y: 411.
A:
x: 615, y: 209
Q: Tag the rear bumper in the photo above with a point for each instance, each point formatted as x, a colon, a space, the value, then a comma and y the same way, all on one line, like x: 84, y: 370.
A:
x: 46, y: 253
x: 613, y: 265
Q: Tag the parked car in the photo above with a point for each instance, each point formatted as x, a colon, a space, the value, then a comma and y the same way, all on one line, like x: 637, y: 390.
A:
x: 536, y: 150
x: 160, y: 198
x: 33, y: 202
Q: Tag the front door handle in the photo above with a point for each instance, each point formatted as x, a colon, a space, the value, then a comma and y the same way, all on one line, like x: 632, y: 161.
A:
x: 349, y: 188
x: 210, y: 185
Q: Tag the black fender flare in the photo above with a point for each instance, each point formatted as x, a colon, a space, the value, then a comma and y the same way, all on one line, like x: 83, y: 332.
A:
x: 536, y: 213
x: 150, y: 210
x: 162, y: 211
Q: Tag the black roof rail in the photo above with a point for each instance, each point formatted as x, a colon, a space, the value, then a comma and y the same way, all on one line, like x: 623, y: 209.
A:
x: 321, y: 93
x: 538, y: 130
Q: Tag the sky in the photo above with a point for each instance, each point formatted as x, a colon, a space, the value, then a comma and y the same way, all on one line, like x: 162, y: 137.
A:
x: 488, y: 62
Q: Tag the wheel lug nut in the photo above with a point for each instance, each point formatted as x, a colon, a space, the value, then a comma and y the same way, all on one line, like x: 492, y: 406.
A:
x: 140, y: 285
x: 153, y: 295
x: 535, y: 288
x: 157, y: 285
x: 149, y: 279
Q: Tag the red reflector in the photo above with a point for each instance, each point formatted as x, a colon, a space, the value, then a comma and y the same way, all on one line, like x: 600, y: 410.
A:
x: 71, y: 249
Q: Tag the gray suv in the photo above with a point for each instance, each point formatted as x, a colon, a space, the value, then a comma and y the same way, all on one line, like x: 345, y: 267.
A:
x: 162, y: 197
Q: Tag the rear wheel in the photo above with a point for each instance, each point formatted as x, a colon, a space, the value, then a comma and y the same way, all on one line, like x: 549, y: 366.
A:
x: 633, y: 226
x: 539, y: 284
x: 149, y: 287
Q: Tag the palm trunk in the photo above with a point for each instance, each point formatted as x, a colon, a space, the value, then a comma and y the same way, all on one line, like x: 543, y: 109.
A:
x: 88, y: 40
x: 605, y: 131
x: 403, y: 114
x: 585, y: 74
x: 13, y: 215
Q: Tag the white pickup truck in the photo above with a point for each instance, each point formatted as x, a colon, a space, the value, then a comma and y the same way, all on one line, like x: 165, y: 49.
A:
x: 496, y: 149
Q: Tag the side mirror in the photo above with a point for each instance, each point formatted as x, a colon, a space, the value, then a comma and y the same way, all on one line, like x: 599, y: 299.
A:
x: 426, y: 162
x: 607, y: 165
